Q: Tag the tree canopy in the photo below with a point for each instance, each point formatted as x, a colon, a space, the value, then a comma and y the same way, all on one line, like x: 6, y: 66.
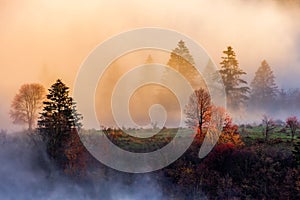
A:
x: 235, y: 87
x: 198, y: 110
x: 26, y: 104
x: 263, y: 86
x: 58, y: 122
x: 182, y: 61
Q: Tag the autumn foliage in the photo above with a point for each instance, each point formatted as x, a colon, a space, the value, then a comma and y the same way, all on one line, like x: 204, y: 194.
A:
x: 293, y: 123
x: 230, y: 134
x: 76, y: 155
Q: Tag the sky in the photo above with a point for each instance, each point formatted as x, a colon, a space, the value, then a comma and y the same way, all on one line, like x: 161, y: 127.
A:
x: 41, y: 40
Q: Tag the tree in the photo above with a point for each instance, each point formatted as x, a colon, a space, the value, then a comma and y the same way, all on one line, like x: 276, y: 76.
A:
x: 210, y: 74
x: 198, y: 109
x: 59, y: 113
x: 269, y: 126
x: 220, y: 120
x: 26, y: 104
x: 231, y: 75
x: 293, y: 124
x: 58, y: 123
x: 263, y: 87
x: 230, y: 133
x: 182, y: 61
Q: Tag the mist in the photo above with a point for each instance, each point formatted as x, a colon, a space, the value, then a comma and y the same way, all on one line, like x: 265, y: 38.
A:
x: 44, y: 40
x: 27, y: 173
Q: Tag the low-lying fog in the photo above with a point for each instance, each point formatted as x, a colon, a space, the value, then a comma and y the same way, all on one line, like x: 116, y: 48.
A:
x: 27, y: 173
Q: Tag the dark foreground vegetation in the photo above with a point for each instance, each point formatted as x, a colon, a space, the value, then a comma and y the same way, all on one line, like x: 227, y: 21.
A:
x: 247, y: 167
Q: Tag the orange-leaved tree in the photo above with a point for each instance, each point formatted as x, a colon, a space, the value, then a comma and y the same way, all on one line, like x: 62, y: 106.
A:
x: 230, y: 133
x: 198, y: 110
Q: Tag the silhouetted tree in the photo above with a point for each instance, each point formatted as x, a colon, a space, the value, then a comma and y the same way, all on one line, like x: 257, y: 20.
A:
x: 293, y: 124
x: 198, y: 109
x: 269, y: 125
x: 263, y: 87
x: 58, y: 123
x: 26, y: 104
x: 182, y: 61
x: 231, y: 75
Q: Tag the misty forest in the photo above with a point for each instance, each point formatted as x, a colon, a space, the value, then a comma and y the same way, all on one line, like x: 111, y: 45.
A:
x: 258, y: 159
x: 45, y: 139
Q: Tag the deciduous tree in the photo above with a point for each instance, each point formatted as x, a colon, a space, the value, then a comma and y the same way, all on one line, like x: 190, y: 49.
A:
x: 26, y: 104
x: 269, y: 126
x: 198, y: 109
x: 230, y: 133
x: 293, y: 124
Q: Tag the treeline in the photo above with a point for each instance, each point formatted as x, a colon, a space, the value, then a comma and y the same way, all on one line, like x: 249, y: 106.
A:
x: 261, y: 94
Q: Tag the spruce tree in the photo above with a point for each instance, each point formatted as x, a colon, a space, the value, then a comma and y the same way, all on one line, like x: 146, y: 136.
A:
x: 58, y: 121
x: 235, y: 87
x: 263, y: 87
x: 182, y: 61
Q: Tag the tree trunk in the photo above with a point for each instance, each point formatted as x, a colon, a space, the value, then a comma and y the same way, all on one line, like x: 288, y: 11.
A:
x: 266, y: 134
x: 200, y: 130
x: 30, y: 125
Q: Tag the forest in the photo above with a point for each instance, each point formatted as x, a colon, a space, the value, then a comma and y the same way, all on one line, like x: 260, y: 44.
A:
x: 250, y: 160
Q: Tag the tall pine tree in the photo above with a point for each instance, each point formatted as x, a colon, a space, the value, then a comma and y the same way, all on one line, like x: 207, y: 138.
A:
x: 235, y: 87
x: 263, y: 87
x: 57, y: 124
x: 182, y: 61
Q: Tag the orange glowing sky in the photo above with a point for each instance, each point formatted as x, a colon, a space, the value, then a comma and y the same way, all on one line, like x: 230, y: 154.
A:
x: 42, y: 40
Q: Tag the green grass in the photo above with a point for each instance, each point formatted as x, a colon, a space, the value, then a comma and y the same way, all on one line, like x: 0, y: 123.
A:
x: 280, y: 136
x: 249, y: 134
x: 129, y: 141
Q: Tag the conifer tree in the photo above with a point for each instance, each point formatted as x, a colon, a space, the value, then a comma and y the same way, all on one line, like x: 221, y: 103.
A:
x: 58, y: 121
x: 235, y: 87
x: 263, y: 87
x: 182, y: 61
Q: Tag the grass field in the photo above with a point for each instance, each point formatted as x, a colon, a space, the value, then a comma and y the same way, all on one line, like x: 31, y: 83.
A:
x: 258, y: 132
x: 151, y: 140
